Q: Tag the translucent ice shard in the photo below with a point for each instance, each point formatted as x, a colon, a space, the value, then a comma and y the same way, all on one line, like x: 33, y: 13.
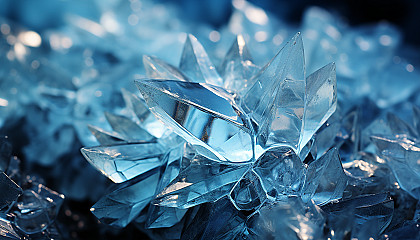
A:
x: 275, y: 101
x: 325, y: 180
x: 248, y: 193
x: 366, y: 176
x: 368, y: 214
x: 125, y: 161
x: 158, y: 69
x: 159, y: 216
x: 196, y: 64
x: 401, y: 154
x: 201, y: 180
x: 7, y: 232
x: 220, y: 220
x: 237, y: 67
x: 287, y: 219
x: 348, y: 138
x: 10, y: 191
x: 128, y: 129
x: 36, y: 209
x: 387, y: 125
x: 320, y: 101
x: 125, y: 202
x: 137, y: 105
x: 32, y: 217
x: 398, y: 126
x: 282, y: 172
x: 325, y: 137
x: 104, y: 137
x: 203, y: 115
x: 52, y: 199
x: 244, y: 141
x: 145, y: 118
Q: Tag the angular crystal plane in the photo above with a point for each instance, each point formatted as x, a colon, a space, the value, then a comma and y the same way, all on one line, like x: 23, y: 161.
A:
x: 402, y: 155
x: 10, y: 191
x: 125, y: 201
x: 325, y: 179
x: 201, y: 180
x: 204, y: 115
x: 125, y: 161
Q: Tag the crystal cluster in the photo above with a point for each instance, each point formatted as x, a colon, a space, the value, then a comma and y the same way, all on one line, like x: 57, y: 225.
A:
x: 26, y: 212
x: 253, y: 147
x: 315, y: 145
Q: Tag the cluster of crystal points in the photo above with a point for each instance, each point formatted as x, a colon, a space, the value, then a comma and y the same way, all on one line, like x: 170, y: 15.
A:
x: 243, y: 152
x: 248, y: 149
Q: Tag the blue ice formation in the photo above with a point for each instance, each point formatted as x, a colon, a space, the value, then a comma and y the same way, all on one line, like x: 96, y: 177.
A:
x: 248, y: 147
x: 219, y: 145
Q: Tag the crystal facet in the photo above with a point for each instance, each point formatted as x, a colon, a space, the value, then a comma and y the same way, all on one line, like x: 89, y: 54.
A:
x: 10, y: 191
x: 201, y: 180
x: 202, y: 114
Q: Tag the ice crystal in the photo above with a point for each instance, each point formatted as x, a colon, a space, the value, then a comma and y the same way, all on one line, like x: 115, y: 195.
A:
x: 243, y: 138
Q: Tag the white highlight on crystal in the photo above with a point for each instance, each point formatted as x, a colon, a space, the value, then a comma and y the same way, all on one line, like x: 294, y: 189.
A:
x: 333, y: 32
x: 3, y: 102
x: 109, y: 22
x: 88, y: 25
x: 20, y: 51
x: 66, y: 42
x: 214, y: 36
x: 409, y: 68
x: 385, y: 40
x: 254, y: 14
x: 363, y: 44
x: 30, y: 38
x: 261, y: 36
x: 5, y: 29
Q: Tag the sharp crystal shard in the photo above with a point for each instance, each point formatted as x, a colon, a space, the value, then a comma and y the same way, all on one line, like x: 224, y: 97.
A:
x: 124, y: 203
x: 237, y: 67
x: 203, y: 115
x: 275, y: 101
x: 129, y: 130
x: 325, y: 180
x: 402, y: 154
x: 320, y: 101
x: 158, y: 69
x: 125, y: 161
x: 104, y: 137
x: 202, y: 180
x: 10, y: 191
x: 196, y: 64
